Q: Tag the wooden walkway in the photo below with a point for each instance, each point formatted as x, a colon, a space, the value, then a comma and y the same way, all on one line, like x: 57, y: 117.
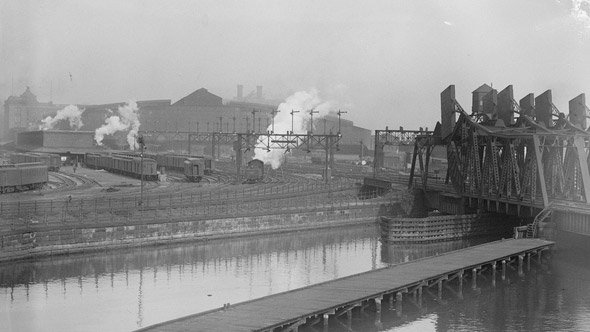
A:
x: 294, y: 307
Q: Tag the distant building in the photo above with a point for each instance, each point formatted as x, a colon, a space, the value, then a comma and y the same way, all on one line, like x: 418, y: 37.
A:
x: 199, y: 111
x: 57, y: 141
x: 24, y: 112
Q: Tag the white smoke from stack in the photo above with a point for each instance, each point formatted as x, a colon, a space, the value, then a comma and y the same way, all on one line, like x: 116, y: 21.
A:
x: 71, y: 113
x: 127, y: 118
x: 302, y: 101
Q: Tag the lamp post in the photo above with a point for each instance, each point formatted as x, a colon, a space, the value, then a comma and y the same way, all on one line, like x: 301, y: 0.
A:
x: 292, y: 112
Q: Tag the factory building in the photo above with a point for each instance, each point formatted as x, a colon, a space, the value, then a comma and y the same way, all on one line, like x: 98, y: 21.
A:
x: 199, y: 111
x: 22, y: 113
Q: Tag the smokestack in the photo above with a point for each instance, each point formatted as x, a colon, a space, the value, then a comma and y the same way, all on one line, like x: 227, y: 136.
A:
x: 240, y: 91
x: 259, y: 91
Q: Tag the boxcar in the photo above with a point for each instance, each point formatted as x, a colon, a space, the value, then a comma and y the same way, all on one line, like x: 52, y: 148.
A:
x: 17, y: 177
x: 52, y: 160
x: 131, y: 166
x: 254, y: 172
x: 123, y: 164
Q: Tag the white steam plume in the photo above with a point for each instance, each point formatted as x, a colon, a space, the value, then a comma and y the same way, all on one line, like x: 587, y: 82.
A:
x: 127, y: 119
x: 71, y: 113
x: 302, y: 101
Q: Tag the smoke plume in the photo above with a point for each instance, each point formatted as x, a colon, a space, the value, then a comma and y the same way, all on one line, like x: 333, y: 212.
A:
x: 127, y: 118
x: 300, y: 123
x: 71, y: 113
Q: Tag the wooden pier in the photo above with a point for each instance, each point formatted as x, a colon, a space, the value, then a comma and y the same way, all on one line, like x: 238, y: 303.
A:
x: 316, y: 304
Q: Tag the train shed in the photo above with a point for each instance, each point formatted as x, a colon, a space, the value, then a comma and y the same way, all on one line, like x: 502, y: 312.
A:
x: 71, y: 144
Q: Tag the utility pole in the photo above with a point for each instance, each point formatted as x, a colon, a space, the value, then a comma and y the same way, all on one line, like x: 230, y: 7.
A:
x: 292, y: 112
x: 247, y: 124
x: 234, y: 123
x: 254, y: 119
x: 141, y: 143
x: 220, y: 124
x: 339, y: 113
x: 273, y: 112
x: 311, y: 124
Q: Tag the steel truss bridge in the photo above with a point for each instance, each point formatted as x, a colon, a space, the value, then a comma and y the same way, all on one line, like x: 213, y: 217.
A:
x: 529, y: 165
x: 244, y: 142
x: 393, y: 137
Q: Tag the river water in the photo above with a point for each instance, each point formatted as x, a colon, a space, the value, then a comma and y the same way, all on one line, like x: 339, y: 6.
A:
x: 126, y: 290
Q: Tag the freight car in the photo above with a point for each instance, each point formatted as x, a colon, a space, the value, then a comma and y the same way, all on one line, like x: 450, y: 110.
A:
x: 254, y: 172
x: 194, y: 168
x: 19, y: 177
x: 174, y: 162
x: 52, y: 160
x: 123, y: 164
x: 132, y: 166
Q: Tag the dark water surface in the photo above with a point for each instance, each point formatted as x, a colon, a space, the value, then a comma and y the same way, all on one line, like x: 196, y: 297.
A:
x: 125, y: 290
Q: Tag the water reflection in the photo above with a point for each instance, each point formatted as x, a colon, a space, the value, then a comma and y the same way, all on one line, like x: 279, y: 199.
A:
x: 128, y: 289
x: 125, y: 290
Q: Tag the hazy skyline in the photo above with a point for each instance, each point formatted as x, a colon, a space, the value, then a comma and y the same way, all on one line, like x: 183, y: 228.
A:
x: 384, y: 62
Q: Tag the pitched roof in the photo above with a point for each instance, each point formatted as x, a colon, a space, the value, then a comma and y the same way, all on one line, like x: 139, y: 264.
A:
x: 200, y: 97
x: 483, y: 89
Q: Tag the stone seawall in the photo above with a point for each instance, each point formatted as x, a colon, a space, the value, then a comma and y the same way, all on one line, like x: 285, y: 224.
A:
x: 38, y: 240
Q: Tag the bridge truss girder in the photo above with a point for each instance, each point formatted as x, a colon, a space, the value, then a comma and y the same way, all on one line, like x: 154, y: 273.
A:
x: 392, y: 137
x: 526, y: 163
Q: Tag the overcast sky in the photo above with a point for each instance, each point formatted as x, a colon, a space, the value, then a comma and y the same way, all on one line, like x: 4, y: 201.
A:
x: 384, y: 62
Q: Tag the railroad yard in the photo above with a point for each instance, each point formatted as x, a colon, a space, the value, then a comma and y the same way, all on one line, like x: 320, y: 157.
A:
x: 87, y: 195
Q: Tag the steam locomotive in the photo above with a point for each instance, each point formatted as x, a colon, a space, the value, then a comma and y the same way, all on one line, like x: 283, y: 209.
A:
x: 254, y: 172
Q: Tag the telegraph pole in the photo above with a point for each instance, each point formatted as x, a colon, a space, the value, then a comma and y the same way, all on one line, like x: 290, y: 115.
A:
x: 141, y: 143
x: 273, y: 112
x: 254, y: 119
x: 292, y: 112
x: 339, y: 113
x: 247, y: 124
x: 311, y: 124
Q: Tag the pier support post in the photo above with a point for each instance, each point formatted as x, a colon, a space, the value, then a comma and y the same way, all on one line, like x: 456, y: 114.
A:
x: 420, y: 297
x: 494, y: 274
x: 539, y: 256
x: 378, y: 312
x: 326, y: 320
x: 520, y: 265
x: 460, y: 294
x: 349, y: 318
x: 528, y: 261
x: 503, y: 270
x: 440, y: 285
x: 391, y: 301
x: 474, y: 279
x: 398, y: 303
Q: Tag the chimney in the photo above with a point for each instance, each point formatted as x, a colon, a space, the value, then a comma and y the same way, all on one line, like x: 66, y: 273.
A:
x: 240, y: 91
x: 259, y: 91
